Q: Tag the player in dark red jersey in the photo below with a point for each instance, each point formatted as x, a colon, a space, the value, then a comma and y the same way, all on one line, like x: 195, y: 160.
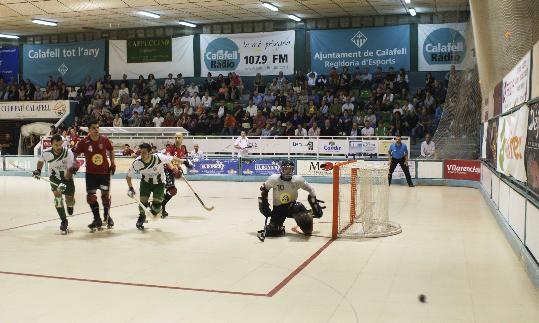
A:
x: 98, y: 171
x: 177, y: 150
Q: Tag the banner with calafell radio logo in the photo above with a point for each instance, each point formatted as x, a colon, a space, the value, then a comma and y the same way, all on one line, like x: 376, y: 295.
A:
x: 248, y: 54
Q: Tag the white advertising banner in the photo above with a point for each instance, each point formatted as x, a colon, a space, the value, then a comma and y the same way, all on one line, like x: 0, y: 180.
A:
x: 398, y: 173
x: 535, y: 72
x: 248, y: 54
x: 303, y: 146
x: 33, y: 109
x: 443, y: 45
x: 516, y: 84
x: 511, y: 143
x: 182, y: 61
x: 363, y: 147
x: 313, y: 168
x: 332, y: 146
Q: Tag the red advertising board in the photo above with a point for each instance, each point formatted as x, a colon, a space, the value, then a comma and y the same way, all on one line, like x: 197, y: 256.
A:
x: 462, y: 169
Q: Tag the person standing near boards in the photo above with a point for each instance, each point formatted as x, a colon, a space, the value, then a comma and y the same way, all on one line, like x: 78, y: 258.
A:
x: 398, y: 155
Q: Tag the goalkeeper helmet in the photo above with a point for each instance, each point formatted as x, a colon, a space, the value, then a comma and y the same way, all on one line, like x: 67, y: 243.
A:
x: 287, y: 170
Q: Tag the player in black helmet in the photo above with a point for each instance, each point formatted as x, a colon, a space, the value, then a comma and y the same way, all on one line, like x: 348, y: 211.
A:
x: 285, y: 205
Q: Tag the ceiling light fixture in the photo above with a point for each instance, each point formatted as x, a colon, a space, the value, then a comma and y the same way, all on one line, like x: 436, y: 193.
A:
x: 9, y: 36
x: 412, y: 12
x: 295, y: 18
x: 149, y: 14
x: 44, y: 22
x: 407, y: 1
x: 270, y: 6
x: 188, y: 24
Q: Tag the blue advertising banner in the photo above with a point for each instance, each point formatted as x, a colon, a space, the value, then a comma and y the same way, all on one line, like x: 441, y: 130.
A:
x: 73, y: 62
x: 9, y: 64
x: 260, y: 167
x: 361, y: 47
x: 215, y: 167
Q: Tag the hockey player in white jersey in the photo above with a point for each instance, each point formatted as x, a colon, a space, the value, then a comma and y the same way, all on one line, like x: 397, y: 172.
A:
x: 152, y: 168
x: 285, y: 205
x: 62, y: 166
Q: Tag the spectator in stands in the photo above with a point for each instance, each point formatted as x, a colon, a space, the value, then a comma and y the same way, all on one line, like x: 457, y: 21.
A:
x: 169, y: 81
x: 196, y: 154
x: 348, y: 105
x: 429, y: 101
x: 428, y: 147
x: 255, y: 131
x: 314, y: 131
x: 289, y: 130
x: 267, y: 131
x: 367, y: 130
x: 206, y: 100
x: 300, y: 131
x: 229, y: 125
x: 127, y: 151
x: 328, y: 130
x: 117, y: 122
x: 354, y: 131
x: 6, y: 145
x: 158, y: 120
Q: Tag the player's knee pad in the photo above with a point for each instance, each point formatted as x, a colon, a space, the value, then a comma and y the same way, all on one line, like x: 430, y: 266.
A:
x: 70, y: 201
x: 58, y: 202
x: 274, y: 230
x: 91, y: 198
x: 172, y: 190
x: 105, y: 199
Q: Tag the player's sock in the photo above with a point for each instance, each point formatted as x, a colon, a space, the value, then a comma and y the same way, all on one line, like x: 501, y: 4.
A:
x: 106, y: 206
x: 166, y: 198
x: 95, y: 209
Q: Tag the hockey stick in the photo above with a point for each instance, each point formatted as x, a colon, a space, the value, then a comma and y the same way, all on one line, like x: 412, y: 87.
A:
x: 208, y: 208
x: 262, y: 233
x: 40, y: 177
x: 147, y: 212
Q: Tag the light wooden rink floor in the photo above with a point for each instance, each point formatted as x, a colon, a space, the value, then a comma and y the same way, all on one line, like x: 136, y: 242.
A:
x: 199, y: 266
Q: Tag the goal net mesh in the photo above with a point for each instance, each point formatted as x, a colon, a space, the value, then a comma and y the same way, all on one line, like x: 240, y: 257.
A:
x: 361, y: 201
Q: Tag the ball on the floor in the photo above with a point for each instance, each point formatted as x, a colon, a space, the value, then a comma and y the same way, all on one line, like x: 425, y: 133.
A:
x: 422, y: 298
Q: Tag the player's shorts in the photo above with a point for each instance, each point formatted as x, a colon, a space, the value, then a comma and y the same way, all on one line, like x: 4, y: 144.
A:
x: 169, y: 178
x: 158, y: 190
x: 97, y: 182
x: 70, y: 185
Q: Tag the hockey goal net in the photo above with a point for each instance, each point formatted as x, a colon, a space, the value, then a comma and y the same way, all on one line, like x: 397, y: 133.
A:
x: 361, y: 201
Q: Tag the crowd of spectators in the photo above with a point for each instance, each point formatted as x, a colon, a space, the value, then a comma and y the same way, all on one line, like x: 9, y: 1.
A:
x: 346, y: 103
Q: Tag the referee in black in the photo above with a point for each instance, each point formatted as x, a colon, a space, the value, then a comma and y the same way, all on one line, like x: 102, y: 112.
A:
x: 398, y: 154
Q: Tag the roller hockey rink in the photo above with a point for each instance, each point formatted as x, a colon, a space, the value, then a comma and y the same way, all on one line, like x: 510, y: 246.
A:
x: 200, y: 266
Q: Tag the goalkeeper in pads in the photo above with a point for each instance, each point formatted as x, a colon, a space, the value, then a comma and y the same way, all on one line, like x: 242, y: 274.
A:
x: 62, y: 166
x: 152, y: 168
x: 285, y: 205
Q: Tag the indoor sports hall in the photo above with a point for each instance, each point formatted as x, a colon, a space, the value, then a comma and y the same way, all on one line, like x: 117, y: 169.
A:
x: 283, y: 161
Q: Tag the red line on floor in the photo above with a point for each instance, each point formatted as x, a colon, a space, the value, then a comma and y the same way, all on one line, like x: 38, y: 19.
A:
x: 271, y: 293
x: 285, y: 281
x: 133, y: 284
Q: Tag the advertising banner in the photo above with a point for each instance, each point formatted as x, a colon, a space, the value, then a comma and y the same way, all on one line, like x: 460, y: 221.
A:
x: 398, y: 173
x: 260, y: 167
x: 149, y: 50
x: 360, y: 47
x: 512, y: 132
x: 332, y: 146
x: 313, y: 168
x: 248, y: 54
x: 443, y: 45
x: 516, y: 84
x: 33, y: 109
x: 535, y: 72
x: 497, y: 99
x: 73, y: 62
x: 532, y: 149
x: 363, y: 147
x: 462, y: 169
x: 303, y: 146
x: 181, y: 60
x: 215, y: 167
x: 491, y: 142
x: 9, y: 64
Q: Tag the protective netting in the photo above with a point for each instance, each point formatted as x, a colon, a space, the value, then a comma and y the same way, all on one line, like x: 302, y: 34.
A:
x: 363, y: 201
x: 457, y: 135
x: 504, y: 31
